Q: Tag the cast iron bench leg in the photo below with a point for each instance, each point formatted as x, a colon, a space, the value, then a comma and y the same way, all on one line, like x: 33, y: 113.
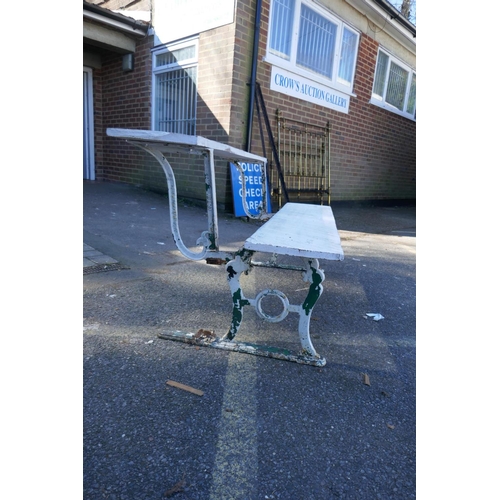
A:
x: 315, y: 276
x: 240, y: 264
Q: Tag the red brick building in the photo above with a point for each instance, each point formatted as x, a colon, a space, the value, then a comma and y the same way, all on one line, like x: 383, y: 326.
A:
x: 337, y: 77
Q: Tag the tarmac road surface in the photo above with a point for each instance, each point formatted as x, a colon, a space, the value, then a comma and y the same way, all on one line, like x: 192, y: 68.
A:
x: 263, y: 428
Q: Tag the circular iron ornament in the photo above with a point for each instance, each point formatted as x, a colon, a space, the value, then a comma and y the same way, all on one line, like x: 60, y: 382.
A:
x: 267, y: 317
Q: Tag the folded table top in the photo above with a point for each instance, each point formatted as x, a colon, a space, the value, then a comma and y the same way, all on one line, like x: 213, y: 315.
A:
x: 168, y: 141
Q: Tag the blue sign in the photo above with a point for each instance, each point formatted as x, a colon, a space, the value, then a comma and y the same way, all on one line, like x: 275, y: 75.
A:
x: 253, y: 183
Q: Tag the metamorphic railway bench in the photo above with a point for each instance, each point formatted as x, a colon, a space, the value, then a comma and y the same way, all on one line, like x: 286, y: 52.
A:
x: 302, y: 231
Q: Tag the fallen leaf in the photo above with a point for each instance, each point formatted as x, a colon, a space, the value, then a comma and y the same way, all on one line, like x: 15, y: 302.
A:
x: 391, y: 426
x: 366, y: 379
x: 205, y: 334
x: 176, y: 488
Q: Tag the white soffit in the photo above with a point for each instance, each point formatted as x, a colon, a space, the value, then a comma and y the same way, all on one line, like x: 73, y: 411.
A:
x: 382, y: 19
x: 114, y: 23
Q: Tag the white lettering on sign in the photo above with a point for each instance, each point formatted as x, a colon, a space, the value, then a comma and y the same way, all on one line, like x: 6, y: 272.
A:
x: 297, y: 86
x: 254, y: 194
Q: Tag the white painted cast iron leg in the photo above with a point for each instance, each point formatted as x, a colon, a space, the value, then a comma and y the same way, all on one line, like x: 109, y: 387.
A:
x: 315, y: 276
x: 208, y: 239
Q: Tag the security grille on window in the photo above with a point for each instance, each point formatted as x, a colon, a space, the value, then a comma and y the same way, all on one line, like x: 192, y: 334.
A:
x: 308, y: 40
x: 394, y: 86
x: 174, y: 88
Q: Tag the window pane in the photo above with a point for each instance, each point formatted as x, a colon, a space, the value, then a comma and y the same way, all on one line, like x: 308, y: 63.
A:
x: 176, y: 101
x: 346, y: 66
x: 175, y: 56
x: 410, y: 108
x: 316, y: 42
x: 396, y: 86
x: 380, y: 74
x: 281, y: 30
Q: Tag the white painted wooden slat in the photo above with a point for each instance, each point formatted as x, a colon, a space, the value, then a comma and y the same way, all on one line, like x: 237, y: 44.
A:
x: 168, y: 140
x: 300, y: 230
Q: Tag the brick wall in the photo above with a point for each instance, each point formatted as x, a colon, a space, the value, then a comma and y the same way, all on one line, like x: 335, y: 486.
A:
x: 372, y: 150
x: 214, y: 106
x: 126, y: 103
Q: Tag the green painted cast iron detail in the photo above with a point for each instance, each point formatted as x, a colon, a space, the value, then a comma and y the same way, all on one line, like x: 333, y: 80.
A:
x: 211, y: 237
x: 238, y: 304
x: 270, y: 349
x: 244, y: 254
x: 315, y: 291
x: 231, y: 272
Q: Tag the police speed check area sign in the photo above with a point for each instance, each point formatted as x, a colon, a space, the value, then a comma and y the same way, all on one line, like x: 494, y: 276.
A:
x: 253, y: 184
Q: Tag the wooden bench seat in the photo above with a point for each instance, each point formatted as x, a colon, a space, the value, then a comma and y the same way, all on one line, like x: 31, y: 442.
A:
x: 299, y: 230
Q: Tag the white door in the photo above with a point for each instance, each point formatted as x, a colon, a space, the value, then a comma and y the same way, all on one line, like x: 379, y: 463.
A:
x: 88, y: 126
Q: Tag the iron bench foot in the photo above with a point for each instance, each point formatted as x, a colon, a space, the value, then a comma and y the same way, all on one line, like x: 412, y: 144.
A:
x: 243, y: 347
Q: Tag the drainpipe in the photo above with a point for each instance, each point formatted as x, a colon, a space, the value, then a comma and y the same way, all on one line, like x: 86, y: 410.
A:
x: 253, y: 77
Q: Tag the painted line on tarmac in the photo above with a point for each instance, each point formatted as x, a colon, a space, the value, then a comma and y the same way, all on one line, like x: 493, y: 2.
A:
x: 236, y: 463
x: 235, y: 470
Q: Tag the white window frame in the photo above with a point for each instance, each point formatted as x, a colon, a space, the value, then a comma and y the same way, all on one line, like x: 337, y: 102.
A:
x: 177, y: 65
x: 379, y: 100
x: 333, y: 81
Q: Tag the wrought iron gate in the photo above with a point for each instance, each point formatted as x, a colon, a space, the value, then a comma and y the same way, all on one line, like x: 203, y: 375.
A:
x: 304, y: 154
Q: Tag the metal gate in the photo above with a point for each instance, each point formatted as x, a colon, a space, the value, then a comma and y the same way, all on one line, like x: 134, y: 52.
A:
x: 304, y: 154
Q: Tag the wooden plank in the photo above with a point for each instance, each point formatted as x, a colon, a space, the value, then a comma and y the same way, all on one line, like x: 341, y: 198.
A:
x: 184, y: 387
x: 300, y: 230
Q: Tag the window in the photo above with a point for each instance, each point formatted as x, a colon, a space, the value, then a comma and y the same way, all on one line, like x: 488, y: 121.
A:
x: 310, y: 41
x: 174, y: 88
x: 394, y: 86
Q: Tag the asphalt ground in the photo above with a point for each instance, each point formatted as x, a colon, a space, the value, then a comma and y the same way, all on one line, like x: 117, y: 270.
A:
x: 263, y: 428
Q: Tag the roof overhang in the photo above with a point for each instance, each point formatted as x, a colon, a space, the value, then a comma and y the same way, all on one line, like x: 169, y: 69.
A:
x: 110, y: 30
x: 389, y: 19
